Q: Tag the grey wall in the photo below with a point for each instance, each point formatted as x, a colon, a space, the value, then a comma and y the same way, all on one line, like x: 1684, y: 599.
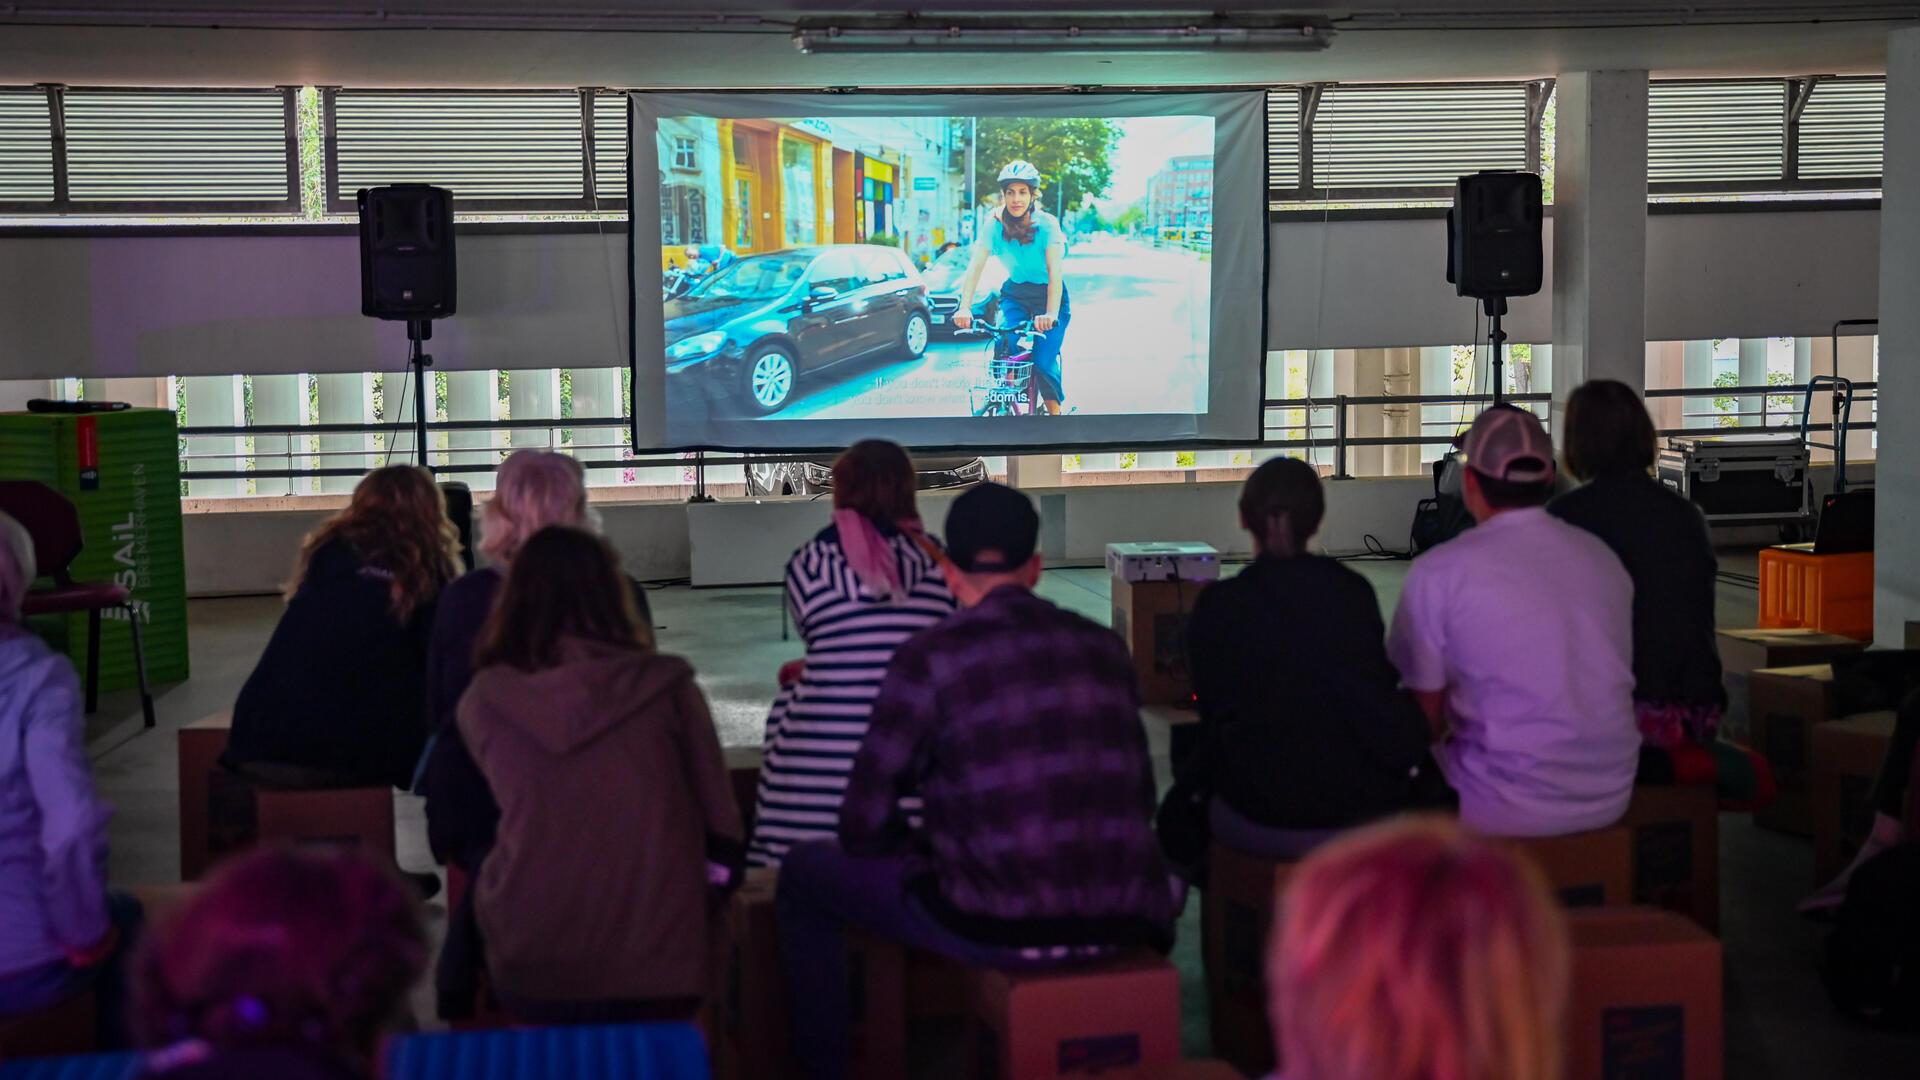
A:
x: 123, y: 305
x: 210, y: 304
x: 1382, y: 284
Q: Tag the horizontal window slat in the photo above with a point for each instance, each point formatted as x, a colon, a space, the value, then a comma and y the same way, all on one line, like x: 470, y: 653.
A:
x: 481, y: 145
x: 217, y: 147
x: 26, y: 145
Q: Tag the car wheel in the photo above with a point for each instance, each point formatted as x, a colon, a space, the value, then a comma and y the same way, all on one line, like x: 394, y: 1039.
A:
x: 767, y: 380
x: 913, y: 339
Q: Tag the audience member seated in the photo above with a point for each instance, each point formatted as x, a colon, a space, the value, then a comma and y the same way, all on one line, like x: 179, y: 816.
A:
x: 533, y: 489
x: 1018, y: 724
x: 1662, y: 540
x: 1305, y: 729
x: 1517, y: 637
x: 1896, y: 808
x: 339, y: 697
x: 618, y: 827
x: 291, y: 964
x: 61, y: 932
x: 857, y: 590
x: 1411, y: 950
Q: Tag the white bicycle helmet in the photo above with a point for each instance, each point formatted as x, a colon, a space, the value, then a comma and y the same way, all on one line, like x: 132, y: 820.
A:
x: 1019, y: 172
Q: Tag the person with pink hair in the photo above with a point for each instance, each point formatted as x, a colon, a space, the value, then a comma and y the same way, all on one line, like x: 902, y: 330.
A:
x: 1412, y: 950
x: 289, y: 963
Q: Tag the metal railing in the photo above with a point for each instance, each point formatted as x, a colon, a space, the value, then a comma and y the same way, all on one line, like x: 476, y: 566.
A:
x: 395, y: 441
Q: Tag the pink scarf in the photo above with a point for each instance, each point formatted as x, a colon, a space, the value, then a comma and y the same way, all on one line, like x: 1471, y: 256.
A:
x: 870, y: 555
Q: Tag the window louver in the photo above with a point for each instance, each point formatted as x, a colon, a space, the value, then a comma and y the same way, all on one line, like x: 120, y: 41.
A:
x: 221, y: 151
x: 610, y: 150
x: 1843, y: 129
x: 1283, y: 139
x: 1706, y: 134
x: 1400, y: 137
x: 494, y: 150
x: 26, y: 146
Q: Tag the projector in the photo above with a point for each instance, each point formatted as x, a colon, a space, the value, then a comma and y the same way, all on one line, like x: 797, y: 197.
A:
x: 1164, y: 560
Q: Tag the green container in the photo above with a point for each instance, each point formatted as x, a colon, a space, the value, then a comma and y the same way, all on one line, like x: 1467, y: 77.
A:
x: 122, y: 470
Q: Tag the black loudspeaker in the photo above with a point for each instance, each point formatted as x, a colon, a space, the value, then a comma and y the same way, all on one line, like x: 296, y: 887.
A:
x: 460, y: 511
x: 1493, y: 235
x: 406, y: 252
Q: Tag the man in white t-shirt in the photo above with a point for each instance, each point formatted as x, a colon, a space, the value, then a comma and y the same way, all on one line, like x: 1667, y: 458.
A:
x: 1517, y: 637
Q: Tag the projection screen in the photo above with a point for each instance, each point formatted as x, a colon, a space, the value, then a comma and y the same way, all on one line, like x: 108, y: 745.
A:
x: 831, y: 267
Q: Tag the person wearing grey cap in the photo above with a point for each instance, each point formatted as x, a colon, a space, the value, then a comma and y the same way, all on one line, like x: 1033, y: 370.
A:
x: 1018, y: 725
x: 1517, y: 638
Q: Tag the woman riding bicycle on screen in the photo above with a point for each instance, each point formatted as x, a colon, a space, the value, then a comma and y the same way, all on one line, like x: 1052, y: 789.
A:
x: 1030, y: 244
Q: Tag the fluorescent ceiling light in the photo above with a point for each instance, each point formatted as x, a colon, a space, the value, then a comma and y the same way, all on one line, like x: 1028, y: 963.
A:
x: 1087, y: 35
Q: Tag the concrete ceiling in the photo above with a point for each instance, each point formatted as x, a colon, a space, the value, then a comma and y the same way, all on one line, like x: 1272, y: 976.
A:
x: 733, y: 43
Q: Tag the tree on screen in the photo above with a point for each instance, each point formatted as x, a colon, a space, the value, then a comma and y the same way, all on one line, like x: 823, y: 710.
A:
x: 1074, y: 155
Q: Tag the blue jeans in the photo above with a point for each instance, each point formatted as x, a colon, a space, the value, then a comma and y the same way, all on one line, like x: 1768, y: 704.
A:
x: 32, y: 991
x: 822, y: 891
x: 1018, y: 303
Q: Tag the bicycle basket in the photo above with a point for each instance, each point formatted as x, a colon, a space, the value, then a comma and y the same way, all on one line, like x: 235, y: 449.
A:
x: 1010, y: 372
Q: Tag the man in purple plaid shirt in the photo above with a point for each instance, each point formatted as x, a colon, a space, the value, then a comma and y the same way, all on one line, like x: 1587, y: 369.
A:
x: 1017, y: 724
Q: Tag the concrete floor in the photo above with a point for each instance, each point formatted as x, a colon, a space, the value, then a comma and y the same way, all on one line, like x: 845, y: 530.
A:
x: 1778, y: 1023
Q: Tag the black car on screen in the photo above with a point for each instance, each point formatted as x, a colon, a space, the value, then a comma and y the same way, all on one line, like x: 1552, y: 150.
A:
x: 944, y: 276
x: 745, y: 337
x: 814, y: 475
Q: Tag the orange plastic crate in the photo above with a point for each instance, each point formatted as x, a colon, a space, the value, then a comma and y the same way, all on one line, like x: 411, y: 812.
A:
x: 1831, y: 593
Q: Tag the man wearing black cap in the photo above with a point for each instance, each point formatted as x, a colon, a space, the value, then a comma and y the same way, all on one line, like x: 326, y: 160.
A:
x: 1017, y: 724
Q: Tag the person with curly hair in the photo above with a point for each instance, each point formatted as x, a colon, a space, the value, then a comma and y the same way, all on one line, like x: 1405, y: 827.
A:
x: 338, y: 699
x: 289, y: 963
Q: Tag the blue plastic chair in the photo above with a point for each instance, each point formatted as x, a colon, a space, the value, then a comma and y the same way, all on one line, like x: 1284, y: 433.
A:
x: 83, y: 1067
x: 598, y: 1052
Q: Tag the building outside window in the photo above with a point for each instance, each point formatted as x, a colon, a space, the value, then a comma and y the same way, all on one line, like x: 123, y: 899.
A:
x: 686, y: 153
x: 801, y: 203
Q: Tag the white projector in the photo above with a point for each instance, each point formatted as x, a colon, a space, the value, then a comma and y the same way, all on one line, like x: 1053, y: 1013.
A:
x: 1164, y: 560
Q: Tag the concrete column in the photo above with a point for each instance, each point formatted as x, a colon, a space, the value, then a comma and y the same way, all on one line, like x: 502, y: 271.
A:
x: 1855, y: 362
x: 215, y: 401
x: 1398, y: 376
x: 596, y: 393
x: 472, y: 395
x: 1599, y: 231
x: 533, y: 394
x: 15, y: 393
x: 1664, y: 369
x: 345, y: 398
x: 278, y: 399
x: 140, y: 392
x: 1436, y: 377
x: 1323, y: 382
x: 1696, y: 369
x: 1753, y: 372
x: 1897, y: 474
x: 1095, y: 462
x: 1802, y: 360
x: 1157, y: 460
x: 1034, y: 471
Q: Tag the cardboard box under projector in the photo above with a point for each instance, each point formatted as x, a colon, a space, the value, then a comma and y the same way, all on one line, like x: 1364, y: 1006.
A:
x: 1847, y: 755
x: 1787, y: 703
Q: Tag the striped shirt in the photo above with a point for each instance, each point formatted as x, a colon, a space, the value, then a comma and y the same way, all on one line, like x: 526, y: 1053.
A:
x: 818, y: 722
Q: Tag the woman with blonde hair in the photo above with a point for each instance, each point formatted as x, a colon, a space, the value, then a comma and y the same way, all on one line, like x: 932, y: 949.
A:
x: 1413, y: 951
x: 339, y: 697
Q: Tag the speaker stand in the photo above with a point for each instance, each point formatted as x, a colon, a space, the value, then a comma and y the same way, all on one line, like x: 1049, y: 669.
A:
x: 1496, y: 307
x: 419, y: 330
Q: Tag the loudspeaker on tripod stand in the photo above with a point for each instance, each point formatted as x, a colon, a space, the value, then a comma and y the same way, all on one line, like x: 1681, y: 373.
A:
x: 406, y: 252
x: 1493, y: 236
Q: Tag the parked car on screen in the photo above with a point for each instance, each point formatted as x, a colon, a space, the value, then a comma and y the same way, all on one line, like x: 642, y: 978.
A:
x: 745, y: 337
x: 814, y: 475
x: 944, y: 277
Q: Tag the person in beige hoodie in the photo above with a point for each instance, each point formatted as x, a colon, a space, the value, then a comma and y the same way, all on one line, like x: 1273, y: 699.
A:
x: 618, y: 831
